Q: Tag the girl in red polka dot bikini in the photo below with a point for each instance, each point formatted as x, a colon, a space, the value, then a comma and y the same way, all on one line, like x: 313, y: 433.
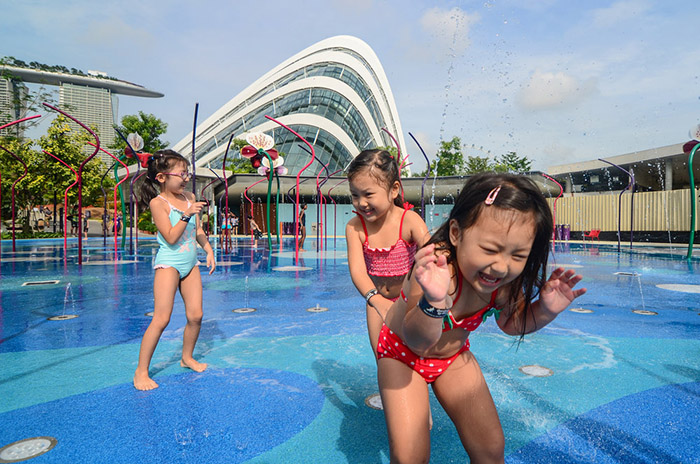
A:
x: 489, y: 258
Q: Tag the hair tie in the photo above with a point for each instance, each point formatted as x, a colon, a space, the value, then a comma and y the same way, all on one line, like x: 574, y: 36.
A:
x: 492, y: 195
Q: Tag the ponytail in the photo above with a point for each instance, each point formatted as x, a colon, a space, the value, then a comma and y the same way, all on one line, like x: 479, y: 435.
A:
x: 160, y: 161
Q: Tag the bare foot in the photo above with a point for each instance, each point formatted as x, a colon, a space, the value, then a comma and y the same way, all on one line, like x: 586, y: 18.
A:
x: 194, y: 365
x: 144, y: 382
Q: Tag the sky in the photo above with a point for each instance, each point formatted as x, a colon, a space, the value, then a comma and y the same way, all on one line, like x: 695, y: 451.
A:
x: 557, y: 81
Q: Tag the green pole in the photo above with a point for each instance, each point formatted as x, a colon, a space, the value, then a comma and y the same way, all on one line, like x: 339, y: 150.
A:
x: 277, y: 208
x: 269, y: 194
x: 691, y: 239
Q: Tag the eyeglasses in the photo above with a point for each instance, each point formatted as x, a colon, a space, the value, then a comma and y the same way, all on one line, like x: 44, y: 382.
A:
x: 184, y: 175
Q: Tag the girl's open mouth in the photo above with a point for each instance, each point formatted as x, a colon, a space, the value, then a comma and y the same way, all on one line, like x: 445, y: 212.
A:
x: 489, y: 279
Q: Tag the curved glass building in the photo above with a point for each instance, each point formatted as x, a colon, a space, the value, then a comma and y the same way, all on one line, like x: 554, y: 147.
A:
x: 334, y: 93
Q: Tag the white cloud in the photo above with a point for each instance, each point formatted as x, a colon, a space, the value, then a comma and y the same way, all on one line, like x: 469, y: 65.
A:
x: 620, y: 12
x: 449, y: 27
x: 547, y: 90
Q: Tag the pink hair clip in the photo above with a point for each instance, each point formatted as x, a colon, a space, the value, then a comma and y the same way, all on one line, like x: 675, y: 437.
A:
x: 492, y: 195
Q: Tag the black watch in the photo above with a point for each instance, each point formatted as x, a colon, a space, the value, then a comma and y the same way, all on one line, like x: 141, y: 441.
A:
x: 430, y: 310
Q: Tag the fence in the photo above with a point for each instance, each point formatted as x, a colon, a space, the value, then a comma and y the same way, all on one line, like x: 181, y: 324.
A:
x: 653, y: 211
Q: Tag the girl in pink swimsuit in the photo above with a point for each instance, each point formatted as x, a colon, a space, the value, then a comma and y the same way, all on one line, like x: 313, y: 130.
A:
x: 489, y: 258
x: 383, y: 237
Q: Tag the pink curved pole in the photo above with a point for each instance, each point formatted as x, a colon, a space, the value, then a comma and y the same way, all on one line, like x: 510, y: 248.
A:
x: 80, y: 178
x: 19, y: 121
x: 13, y: 191
x: 335, y: 228
x: 325, y: 204
x: 226, y: 220
x: 296, y: 205
x: 135, y: 227
x: 319, y: 208
x: 116, y: 187
x: 245, y: 194
x: 401, y: 162
x: 12, y: 123
x: 554, y: 214
x: 201, y: 193
x: 65, y: 202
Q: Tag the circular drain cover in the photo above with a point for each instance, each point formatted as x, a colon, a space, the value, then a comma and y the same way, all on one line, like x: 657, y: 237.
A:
x: 317, y: 309
x: 374, y: 401
x: 26, y: 449
x: 645, y: 312
x: 581, y: 310
x: 681, y: 288
x: 536, y: 371
x: 630, y: 274
x: 63, y: 317
x: 244, y: 310
x: 291, y: 268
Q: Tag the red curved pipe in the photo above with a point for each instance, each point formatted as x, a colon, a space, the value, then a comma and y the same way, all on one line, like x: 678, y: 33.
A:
x: 201, y: 193
x: 19, y: 121
x: 245, y: 194
x: 80, y: 178
x: 296, y: 206
x: 13, y: 191
x: 399, y: 161
x: 65, y: 202
x: 226, y: 220
x: 12, y: 123
x: 325, y: 203
x: 554, y: 214
x: 319, y: 209
x: 116, y: 187
x: 335, y: 229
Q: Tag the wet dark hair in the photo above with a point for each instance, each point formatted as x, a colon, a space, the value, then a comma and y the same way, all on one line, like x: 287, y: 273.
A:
x: 160, y: 161
x: 380, y: 165
x: 517, y: 193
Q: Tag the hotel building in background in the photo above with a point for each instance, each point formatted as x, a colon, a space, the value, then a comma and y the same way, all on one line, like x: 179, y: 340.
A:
x: 92, y: 98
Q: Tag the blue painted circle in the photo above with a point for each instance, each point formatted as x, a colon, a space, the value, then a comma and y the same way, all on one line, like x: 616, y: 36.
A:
x: 220, y: 415
x: 657, y: 425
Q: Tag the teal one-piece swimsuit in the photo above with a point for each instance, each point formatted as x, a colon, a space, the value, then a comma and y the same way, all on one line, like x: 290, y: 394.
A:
x: 183, y: 254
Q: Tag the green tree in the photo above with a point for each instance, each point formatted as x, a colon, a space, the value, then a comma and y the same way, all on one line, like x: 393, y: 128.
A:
x: 450, y: 160
x: 475, y: 164
x: 27, y: 189
x: 235, y: 163
x: 511, y: 162
x: 149, y: 127
x: 68, y: 145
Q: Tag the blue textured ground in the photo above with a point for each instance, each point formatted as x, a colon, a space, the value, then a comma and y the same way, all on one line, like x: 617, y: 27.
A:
x: 286, y: 385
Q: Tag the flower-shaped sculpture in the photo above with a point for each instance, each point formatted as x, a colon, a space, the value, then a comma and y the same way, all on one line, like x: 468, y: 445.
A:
x: 277, y: 165
x: 259, y: 144
x: 268, y: 162
x: 135, y: 142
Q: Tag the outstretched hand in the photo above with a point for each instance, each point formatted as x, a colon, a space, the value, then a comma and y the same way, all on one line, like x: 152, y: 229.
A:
x: 432, y: 274
x: 558, y: 292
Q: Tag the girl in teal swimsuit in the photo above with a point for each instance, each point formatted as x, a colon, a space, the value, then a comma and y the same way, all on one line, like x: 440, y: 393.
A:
x: 489, y: 258
x: 175, y: 213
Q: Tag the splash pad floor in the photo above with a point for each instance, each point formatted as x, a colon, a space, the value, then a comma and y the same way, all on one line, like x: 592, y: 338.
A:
x: 601, y: 385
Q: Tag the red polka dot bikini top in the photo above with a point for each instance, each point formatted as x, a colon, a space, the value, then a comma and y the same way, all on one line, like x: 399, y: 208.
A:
x: 472, y: 322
